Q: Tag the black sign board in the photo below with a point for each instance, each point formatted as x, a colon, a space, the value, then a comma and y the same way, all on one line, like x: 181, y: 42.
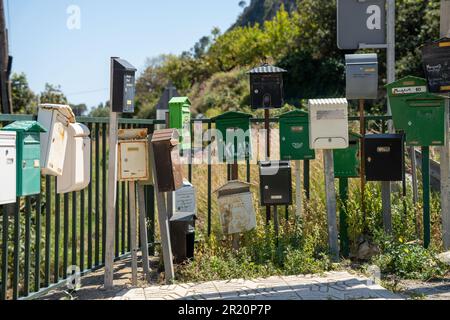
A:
x: 436, y: 63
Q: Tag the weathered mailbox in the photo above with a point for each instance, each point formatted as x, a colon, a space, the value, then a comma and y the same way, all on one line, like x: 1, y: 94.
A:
x: 266, y: 87
x: 149, y: 181
x: 237, y: 212
x: 76, y: 174
x: 133, y: 155
x: 419, y: 114
x: 347, y: 161
x: 361, y: 76
x: 328, y: 123
x: 55, y: 119
x: 384, y: 156
x: 169, y: 172
x: 123, y: 86
x: 234, y: 141
x: 294, y: 136
x: 180, y: 118
x: 8, y: 166
x: 436, y: 57
x: 28, y: 148
x: 275, y: 183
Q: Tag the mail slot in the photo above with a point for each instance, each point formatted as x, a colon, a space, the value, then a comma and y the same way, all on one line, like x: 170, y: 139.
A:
x: 28, y: 148
x: 55, y: 119
x: 133, y: 155
x: 234, y: 140
x: 435, y: 56
x: 266, y: 87
x: 347, y: 162
x: 123, y: 86
x: 180, y: 118
x: 275, y: 183
x: 384, y: 156
x: 361, y: 76
x: 77, y: 171
x: 419, y: 114
x: 8, y: 166
x: 236, y: 209
x: 294, y: 136
x: 169, y: 172
x: 328, y: 123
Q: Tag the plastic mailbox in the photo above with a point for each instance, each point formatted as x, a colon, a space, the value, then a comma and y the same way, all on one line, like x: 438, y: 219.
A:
x: 8, y: 166
x: 28, y: 147
x: 347, y: 161
x: 180, y: 118
x: 361, y: 76
x: 294, y: 136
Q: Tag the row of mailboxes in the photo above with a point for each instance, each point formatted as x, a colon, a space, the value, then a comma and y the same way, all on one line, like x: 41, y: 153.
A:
x: 275, y: 183
x: 180, y: 118
x: 361, y: 76
x: 8, y: 158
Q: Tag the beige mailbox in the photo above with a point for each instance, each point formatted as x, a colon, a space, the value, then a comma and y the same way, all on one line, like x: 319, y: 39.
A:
x: 76, y: 173
x: 8, y: 167
x: 133, y: 155
x: 236, y: 208
x: 328, y: 123
x: 56, y: 119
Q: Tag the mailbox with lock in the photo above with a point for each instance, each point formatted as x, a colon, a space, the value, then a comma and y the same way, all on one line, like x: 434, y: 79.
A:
x: 328, y: 123
x: 266, y: 87
x: 28, y: 148
x: 8, y: 166
x: 361, y: 76
x: 384, y: 156
x: 294, y: 136
x: 419, y: 114
x: 169, y: 172
x: 55, y: 119
x: 180, y: 118
x: 234, y: 141
x: 275, y: 183
x: 133, y: 155
x: 123, y: 86
x: 76, y: 174
x: 237, y: 212
x: 347, y: 161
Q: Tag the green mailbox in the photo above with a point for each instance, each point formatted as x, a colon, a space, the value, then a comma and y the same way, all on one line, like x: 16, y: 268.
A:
x: 233, y: 136
x: 28, y: 148
x: 347, y: 161
x: 294, y: 136
x: 416, y: 112
x: 180, y: 117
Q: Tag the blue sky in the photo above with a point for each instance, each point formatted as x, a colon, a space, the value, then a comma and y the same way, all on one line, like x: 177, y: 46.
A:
x: 48, y: 51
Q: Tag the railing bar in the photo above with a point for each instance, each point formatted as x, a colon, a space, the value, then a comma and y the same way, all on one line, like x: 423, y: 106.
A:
x: 89, y: 253
x: 26, y: 268
x: 104, y: 204
x: 16, y: 273
x: 37, y: 257
x: 4, y: 277
x: 97, y: 195
x: 82, y: 235
x: 57, y: 234
x: 66, y: 235
x: 74, y: 228
x: 48, y: 211
x: 123, y: 221
x: 209, y: 186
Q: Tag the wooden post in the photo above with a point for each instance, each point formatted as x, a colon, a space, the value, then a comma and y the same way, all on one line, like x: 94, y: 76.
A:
x: 143, y: 232
x: 298, y: 192
x: 132, y: 200
x: 331, y: 205
x: 362, y: 130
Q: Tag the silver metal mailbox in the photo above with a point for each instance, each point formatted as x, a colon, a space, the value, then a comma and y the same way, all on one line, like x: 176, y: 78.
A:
x: 361, y: 76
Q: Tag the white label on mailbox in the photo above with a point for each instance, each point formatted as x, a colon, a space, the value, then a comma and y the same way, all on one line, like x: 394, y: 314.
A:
x: 331, y: 115
x: 276, y: 197
x: 409, y: 90
x: 185, y: 201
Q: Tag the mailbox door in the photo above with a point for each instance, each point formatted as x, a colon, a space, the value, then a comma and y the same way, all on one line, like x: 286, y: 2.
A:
x: 384, y: 158
x: 8, y: 168
x: 294, y: 140
x: 237, y: 213
x: 346, y: 161
x: 133, y: 160
x: 53, y: 161
x: 29, y: 174
x: 362, y: 81
x: 267, y: 91
x: 276, y: 189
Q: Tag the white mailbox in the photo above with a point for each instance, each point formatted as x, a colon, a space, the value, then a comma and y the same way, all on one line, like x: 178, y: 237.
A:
x: 184, y: 202
x: 328, y: 123
x: 55, y: 118
x: 76, y: 174
x: 133, y: 155
x: 8, y: 167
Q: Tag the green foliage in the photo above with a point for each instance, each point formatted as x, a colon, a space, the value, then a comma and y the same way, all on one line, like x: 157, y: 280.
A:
x: 79, y: 109
x: 52, y: 94
x: 102, y: 111
x: 23, y: 98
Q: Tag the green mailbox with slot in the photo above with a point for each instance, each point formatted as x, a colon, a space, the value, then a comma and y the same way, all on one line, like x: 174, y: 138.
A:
x: 347, y: 162
x: 233, y: 136
x: 180, y: 118
x: 416, y: 112
x: 294, y: 136
x: 28, y: 156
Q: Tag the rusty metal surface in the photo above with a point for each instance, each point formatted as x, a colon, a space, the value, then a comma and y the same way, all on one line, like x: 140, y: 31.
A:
x: 237, y: 213
x: 132, y: 134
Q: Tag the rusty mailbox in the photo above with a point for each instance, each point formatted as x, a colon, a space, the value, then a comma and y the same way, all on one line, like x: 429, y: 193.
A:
x: 169, y: 173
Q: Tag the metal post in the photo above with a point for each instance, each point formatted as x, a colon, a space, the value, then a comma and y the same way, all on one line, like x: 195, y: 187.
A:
x: 267, y: 127
x: 132, y: 199
x: 298, y: 192
x: 426, y: 195
x: 331, y: 205
x: 362, y: 130
x: 343, y: 224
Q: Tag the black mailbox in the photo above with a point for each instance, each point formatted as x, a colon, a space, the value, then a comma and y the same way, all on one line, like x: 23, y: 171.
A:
x: 266, y: 87
x: 275, y: 183
x: 436, y: 56
x: 384, y: 156
x: 123, y: 86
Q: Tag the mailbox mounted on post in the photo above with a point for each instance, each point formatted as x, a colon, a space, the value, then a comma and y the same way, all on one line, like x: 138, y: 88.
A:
x: 384, y: 156
x: 234, y: 141
x: 275, y: 183
x: 266, y: 87
x: 347, y: 161
x: 169, y: 173
x: 436, y: 57
x: 294, y: 136
x: 328, y: 123
x: 28, y: 150
x: 133, y: 155
x: 123, y: 86
x: 8, y: 170
x: 419, y: 114
x: 149, y: 181
x: 180, y: 118
x: 237, y: 213
x: 361, y: 76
